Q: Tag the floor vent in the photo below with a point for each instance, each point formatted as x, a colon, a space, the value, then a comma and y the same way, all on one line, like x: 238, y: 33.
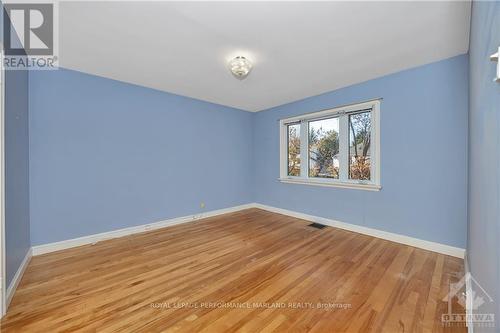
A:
x: 317, y: 225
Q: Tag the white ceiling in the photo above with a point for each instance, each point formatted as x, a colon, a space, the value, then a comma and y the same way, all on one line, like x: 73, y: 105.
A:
x: 299, y: 49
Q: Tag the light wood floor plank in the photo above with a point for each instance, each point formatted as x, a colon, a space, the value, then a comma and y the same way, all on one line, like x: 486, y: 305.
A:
x: 249, y: 271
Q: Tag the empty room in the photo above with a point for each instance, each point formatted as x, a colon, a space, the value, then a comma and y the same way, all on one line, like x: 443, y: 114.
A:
x: 263, y: 166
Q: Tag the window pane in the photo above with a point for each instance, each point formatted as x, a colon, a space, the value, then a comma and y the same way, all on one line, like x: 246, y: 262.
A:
x: 324, y: 148
x: 294, y: 150
x: 359, y: 145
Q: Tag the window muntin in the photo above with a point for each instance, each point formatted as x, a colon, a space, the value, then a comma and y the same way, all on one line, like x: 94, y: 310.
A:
x: 293, y: 149
x: 323, y: 146
x: 337, y: 147
x: 359, y: 145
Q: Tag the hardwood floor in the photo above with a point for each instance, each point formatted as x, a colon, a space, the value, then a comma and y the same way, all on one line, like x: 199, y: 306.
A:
x: 250, y: 271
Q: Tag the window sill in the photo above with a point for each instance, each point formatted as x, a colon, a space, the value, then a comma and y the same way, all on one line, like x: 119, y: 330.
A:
x: 357, y: 186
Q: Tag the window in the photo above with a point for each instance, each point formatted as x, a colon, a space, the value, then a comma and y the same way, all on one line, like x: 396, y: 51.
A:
x: 324, y: 148
x: 359, y: 145
x: 337, y: 147
x: 293, y: 149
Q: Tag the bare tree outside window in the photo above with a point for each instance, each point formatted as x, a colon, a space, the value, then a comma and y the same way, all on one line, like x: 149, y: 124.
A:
x: 293, y: 150
x: 359, y: 145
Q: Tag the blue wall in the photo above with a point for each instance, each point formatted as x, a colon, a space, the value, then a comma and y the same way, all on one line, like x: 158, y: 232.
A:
x: 483, y: 246
x: 17, y: 223
x: 107, y: 155
x: 423, y: 156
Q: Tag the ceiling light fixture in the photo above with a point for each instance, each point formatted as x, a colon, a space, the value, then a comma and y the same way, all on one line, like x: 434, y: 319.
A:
x: 240, y: 67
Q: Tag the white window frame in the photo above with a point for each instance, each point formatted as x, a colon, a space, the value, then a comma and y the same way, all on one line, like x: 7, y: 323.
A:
x: 343, y: 113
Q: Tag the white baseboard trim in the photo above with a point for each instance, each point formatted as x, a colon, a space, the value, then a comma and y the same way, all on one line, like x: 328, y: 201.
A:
x: 92, y: 239
x: 468, y: 293
x: 11, y: 290
x: 415, y: 242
